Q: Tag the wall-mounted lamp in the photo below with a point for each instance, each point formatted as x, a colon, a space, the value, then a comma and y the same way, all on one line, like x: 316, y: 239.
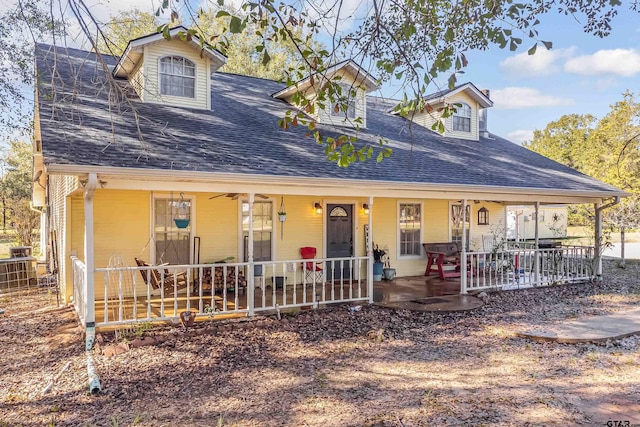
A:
x: 318, y: 207
x: 365, y: 208
x: 483, y: 216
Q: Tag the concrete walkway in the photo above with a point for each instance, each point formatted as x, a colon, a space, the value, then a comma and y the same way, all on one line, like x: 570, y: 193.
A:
x: 593, y: 329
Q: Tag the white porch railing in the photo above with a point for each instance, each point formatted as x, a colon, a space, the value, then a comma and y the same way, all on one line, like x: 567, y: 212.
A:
x: 79, y: 278
x: 160, y: 293
x: 523, y: 268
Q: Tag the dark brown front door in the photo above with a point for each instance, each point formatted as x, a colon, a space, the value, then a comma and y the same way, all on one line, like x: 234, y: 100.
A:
x: 339, y: 239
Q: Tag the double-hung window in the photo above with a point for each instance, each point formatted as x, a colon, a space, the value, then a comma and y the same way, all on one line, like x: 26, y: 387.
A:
x: 345, y: 95
x: 462, y: 119
x: 177, y: 77
x: 410, y: 229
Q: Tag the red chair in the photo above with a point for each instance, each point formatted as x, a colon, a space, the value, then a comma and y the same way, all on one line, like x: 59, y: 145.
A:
x: 311, y: 267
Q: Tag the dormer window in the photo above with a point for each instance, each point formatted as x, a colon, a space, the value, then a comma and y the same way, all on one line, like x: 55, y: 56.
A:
x: 177, y: 77
x: 462, y: 119
x: 338, y: 109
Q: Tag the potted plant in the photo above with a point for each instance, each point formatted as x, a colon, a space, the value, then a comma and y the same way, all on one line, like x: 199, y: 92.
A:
x: 378, y: 264
x: 282, y: 216
x: 387, y: 272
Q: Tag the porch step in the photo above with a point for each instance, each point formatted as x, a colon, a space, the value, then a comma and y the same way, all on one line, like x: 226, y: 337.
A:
x: 440, y: 304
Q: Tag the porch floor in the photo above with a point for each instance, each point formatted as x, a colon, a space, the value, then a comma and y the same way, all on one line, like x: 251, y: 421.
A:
x: 418, y: 293
x: 423, y: 293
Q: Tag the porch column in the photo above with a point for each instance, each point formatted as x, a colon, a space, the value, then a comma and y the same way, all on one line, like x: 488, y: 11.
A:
x: 536, y: 263
x: 370, y: 253
x: 250, y: 279
x: 598, y: 241
x: 89, y: 285
x: 463, y: 255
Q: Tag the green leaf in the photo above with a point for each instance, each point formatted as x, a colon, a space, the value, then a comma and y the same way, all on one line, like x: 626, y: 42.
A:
x: 265, y: 58
x: 532, y: 49
x: 548, y: 45
x: 235, y: 25
x: 222, y: 13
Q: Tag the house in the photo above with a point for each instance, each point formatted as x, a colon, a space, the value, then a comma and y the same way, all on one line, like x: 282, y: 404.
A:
x: 551, y: 219
x: 186, y: 168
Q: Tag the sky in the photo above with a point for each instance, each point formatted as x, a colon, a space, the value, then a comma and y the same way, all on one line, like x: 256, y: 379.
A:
x: 581, y: 74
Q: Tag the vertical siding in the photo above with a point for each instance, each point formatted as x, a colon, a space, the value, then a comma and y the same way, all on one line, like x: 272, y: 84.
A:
x: 155, y: 51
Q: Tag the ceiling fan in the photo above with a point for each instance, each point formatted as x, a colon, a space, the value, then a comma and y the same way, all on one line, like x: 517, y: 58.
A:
x: 235, y: 196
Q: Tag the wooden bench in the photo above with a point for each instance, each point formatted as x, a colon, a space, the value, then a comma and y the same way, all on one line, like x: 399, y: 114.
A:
x: 442, y: 258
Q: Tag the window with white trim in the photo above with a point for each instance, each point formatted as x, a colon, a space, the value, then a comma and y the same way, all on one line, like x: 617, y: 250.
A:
x: 462, y: 118
x: 338, y: 108
x: 262, y: 230
x: 177, y: 77
x: 410, y: 228
x: 455, y: 219
x: 173, y: 242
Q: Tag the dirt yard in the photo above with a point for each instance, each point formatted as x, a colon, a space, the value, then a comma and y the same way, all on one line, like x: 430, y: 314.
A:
x: 376, y: 367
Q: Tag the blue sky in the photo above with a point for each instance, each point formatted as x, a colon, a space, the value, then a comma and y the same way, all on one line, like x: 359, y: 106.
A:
x: 581, y: 74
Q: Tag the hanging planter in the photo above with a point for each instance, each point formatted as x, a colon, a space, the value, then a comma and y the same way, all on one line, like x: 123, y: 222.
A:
x: 183, y: 220
x: 282, y: 216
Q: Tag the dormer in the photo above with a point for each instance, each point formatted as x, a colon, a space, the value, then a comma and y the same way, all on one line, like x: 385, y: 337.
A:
x: 354, y: 83
x: 468, y: 121
x: 172, y: 72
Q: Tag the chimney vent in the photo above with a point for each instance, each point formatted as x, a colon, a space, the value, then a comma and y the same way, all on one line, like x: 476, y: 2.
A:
x: 484, y: 133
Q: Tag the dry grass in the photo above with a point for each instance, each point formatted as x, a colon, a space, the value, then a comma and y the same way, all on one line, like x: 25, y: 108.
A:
x: 330, y: 367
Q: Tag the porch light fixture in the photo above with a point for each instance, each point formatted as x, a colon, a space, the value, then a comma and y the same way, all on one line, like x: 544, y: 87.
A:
x: 318, y: 207
x: 365, y: 208
x: 483, y: 216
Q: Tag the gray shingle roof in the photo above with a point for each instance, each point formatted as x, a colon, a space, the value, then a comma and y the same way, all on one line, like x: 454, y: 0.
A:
x: 241, y: 135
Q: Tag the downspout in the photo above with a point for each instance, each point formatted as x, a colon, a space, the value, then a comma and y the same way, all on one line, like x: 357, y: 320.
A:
x: 598, y: 235
x: 537, y: 245
x: 89, y: 290
x: 370, y: 253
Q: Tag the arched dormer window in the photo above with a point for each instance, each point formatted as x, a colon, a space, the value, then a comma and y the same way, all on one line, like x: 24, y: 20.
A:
x: 177, y: 77
x: 462, y: 119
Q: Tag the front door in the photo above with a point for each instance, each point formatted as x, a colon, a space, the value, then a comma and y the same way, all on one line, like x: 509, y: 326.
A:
x: 339, y: 239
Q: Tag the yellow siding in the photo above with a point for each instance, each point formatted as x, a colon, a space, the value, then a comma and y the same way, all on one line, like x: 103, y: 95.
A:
x: 121, y: 230
x: 137, y: 80
x: 462, y: 97
x: 152, y: 55
x: 497, y: 225
x: 217, y: 226
x: 426, y: 119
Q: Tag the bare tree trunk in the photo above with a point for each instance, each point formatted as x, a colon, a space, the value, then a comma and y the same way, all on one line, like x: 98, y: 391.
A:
x: 622, y: 261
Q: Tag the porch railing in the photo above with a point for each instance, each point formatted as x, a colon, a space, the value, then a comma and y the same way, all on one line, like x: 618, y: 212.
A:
x: 79, y: 278
x: 226, y: 289
x: 523, y: 268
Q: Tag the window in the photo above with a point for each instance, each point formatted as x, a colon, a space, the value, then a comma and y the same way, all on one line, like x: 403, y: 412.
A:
x: 262, y: 230
x: 173, y: 244
x: 177, y: 77
x: 456, y: 223
x: 338, y: 108
x: 410, y: 228
x: 462, y: 119
x: 483, y: 216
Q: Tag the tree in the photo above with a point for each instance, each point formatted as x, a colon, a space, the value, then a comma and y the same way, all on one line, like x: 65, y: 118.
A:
x: 16, y: 192
x: 127, y: 25
x: 413, y: 42
x: 607, y: 149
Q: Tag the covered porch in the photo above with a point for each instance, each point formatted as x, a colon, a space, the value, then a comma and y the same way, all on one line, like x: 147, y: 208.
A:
x: 259, y: 263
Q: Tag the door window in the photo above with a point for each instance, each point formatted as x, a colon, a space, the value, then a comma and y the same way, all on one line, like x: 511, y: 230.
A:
x: 173, y: 244
x: 262, y: 230
x: 456, y: 223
